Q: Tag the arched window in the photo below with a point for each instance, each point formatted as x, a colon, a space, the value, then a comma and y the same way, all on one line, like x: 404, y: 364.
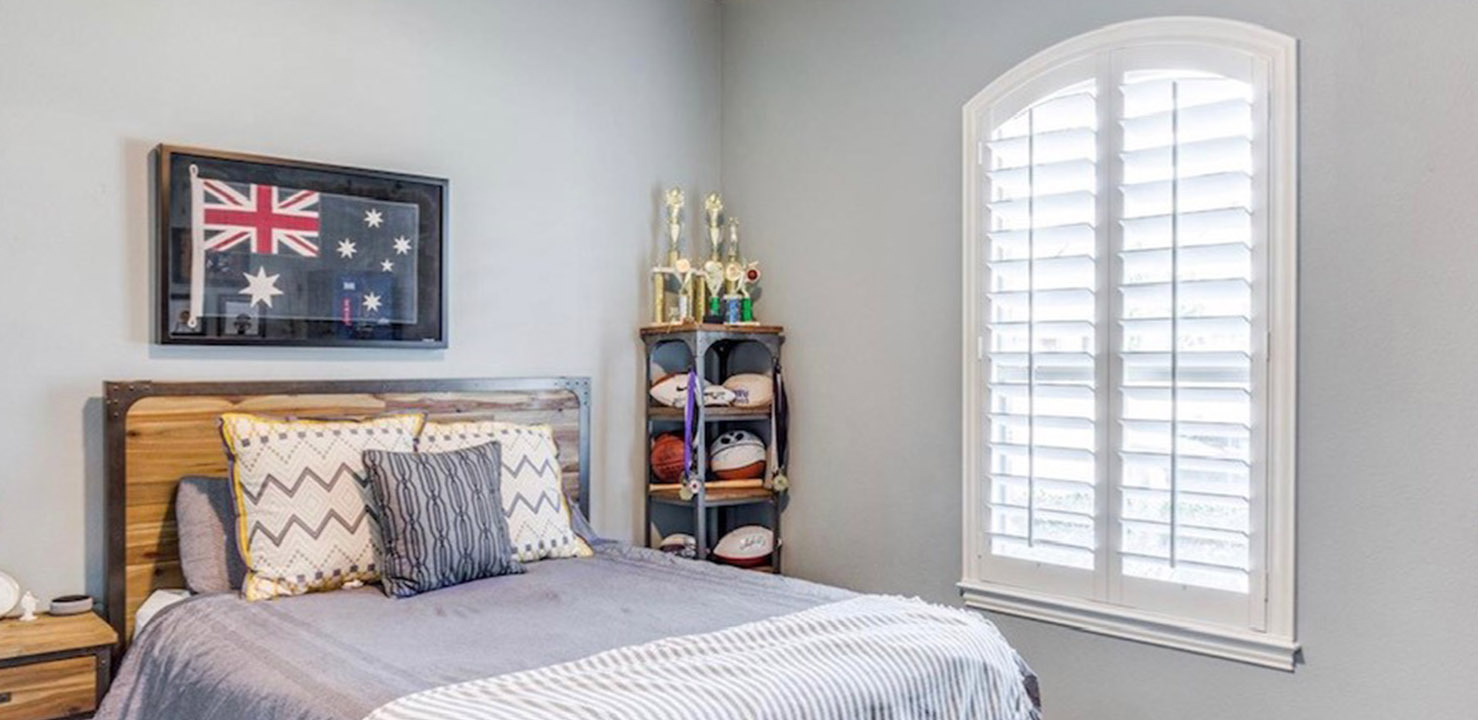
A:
x: 1129, y: 311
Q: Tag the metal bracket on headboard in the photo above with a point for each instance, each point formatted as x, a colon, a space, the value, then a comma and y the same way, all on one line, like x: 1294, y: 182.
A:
x: 119, y: 397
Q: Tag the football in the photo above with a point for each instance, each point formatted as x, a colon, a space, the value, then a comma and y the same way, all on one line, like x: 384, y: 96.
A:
x: 752, y: 390
x: 667, y: 457
x: 679, y: 543
x: 737, y: 455
x: 747, y: 546
x: 717, y: 394
x: 672, y: 390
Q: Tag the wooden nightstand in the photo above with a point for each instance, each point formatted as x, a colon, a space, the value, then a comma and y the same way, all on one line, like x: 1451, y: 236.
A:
x: 55, y: 667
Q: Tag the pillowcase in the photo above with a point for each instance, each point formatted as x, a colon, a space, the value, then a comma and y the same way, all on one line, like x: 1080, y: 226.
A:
x: 206, y: 523
x: 441, y: 518
x: 304, y: 520
x: 533, y: 496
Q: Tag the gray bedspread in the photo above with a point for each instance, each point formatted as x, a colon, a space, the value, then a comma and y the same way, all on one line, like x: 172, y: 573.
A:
x: 340, y: 655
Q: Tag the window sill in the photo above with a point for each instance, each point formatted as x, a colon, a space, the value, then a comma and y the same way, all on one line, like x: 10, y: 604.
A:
x: 1243, y: 646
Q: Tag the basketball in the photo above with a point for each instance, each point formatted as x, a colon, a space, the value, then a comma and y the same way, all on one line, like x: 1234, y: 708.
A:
x: 667, y: 457
x: 737, y: 455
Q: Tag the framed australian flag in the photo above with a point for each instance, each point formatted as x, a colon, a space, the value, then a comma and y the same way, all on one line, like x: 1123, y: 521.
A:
x: 262, y: 251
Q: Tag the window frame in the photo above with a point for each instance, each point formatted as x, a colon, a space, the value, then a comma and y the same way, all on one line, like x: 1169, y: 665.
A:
x: 1268, y: 638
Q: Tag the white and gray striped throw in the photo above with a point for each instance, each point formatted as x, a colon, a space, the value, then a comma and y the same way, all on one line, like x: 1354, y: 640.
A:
x: 868, y: 657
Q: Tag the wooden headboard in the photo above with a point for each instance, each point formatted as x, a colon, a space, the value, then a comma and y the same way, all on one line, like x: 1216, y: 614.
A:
x: 159, y: 432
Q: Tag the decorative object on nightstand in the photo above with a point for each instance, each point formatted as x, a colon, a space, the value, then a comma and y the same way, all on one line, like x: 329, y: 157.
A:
x: 28, y: 607
x: 10, y: 594
x: 70, y: 605
x: 55, y: 667
x: 721, y: 491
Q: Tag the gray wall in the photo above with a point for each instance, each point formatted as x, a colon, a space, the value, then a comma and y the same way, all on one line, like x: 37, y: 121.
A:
x: 556, y: 121
x: 841, y: 152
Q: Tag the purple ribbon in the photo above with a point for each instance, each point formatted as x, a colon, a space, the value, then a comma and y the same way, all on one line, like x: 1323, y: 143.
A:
x: 690, y: 413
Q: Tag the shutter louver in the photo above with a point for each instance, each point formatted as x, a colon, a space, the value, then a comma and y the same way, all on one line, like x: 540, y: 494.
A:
x: 1185, y: 309
x: 1041, y: 324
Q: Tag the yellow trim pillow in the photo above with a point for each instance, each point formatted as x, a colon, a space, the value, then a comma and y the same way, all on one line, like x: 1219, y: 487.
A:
x: 534, y: 501
x: 305, y: 521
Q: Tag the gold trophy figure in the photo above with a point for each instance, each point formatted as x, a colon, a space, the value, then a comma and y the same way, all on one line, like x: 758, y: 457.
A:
x: 674, y: 223
x: 713, y: 206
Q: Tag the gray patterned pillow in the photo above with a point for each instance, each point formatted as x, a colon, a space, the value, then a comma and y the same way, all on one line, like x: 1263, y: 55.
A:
x: 441, y: 518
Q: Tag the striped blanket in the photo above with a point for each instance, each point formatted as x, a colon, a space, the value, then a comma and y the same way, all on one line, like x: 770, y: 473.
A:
x: 868, y: 657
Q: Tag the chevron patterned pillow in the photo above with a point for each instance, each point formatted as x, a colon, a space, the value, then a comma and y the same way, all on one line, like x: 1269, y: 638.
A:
x: 304, y: 519
x: 533, y: 496
x: 441, y: 518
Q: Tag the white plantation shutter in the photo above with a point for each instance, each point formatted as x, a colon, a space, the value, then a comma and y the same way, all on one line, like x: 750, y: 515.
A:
x: 1185, y: 314
x: 1042, y: 331
x: 1129, y: 433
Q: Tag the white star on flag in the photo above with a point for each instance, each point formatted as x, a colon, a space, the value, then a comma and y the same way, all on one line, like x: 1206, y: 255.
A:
x: 371, y: 302
x: 387, y: 266
x: 373, y: 218
x: 261, y: 287
x: 402, y: 245
x: 346, y: 248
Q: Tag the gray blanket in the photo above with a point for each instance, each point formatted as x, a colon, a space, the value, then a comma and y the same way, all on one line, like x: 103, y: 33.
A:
x: 340, y: 655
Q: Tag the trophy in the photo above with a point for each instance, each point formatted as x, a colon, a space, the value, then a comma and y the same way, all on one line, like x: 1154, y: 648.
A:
x: 683, y: 271
x: 733, y: 305
x: 713, y: 206
x: 732, y: 258
x: 660, y: 273
x: 749, y: 278
x: 713, y: 280
x: 703, y: 305
x: 739, y: 276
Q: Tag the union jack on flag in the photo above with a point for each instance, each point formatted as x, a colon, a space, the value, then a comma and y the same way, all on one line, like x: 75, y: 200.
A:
x: 267, y: 219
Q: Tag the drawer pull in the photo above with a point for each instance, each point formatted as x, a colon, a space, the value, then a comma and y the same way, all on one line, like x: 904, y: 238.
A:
x: 4, y: 698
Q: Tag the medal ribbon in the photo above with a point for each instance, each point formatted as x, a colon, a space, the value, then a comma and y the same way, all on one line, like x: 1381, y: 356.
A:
x: 690, y: 413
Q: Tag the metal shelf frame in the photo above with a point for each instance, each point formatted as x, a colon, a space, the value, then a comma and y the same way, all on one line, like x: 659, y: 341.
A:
x: 698, y: 340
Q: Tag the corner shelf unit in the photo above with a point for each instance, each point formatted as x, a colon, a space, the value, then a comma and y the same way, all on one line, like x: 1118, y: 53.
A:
x: 717, y: 496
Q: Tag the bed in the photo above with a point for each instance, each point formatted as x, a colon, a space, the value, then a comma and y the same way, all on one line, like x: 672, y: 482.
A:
x: 620, y: 634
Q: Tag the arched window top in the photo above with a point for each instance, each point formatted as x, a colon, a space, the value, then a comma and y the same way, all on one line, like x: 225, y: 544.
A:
x: 1226, y: 44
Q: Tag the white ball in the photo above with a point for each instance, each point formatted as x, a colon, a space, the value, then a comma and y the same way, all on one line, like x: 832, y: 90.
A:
x: 672, y: 390
x: 751, y: 389
x: 737, y: 455
x: 681, y: 543
x: 746, y: 546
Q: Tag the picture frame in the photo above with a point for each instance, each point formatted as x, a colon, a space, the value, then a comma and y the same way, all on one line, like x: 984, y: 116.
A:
x: 258, y: 250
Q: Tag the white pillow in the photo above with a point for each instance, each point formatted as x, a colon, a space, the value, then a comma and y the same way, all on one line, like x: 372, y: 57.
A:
x: 534, y: 501
x: 304, y: 518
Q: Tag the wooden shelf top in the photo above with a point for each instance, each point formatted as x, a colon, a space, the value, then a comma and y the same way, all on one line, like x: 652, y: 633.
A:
x: 711, y: 327
x: 711, y: 414
x: 716, y: 496
x: 51, y: 633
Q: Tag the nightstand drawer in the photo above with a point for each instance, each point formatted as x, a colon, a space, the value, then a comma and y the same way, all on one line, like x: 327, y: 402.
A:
x: 47, y: 690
